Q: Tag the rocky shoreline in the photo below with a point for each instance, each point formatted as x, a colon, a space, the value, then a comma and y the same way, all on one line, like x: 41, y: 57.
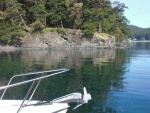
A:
x: 71, y: 39
x: 7, y: 48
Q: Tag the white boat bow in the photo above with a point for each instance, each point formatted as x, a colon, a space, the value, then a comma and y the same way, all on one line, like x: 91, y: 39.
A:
x: 58, y: 105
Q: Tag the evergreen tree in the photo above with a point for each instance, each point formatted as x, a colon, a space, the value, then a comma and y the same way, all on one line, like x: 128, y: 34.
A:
x: 87, y: 15
x: 10, y: 21
x: 139, y: 33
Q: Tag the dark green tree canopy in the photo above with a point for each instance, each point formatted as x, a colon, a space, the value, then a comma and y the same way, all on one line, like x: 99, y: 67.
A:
x: 87, y: 15
x: 139, y: 33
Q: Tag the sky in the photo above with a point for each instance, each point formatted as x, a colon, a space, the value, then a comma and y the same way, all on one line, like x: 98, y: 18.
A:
x: 138, y: 12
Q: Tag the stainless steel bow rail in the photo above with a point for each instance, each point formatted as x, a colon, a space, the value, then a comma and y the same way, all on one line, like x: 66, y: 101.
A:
x: 79, y: 98
x: 44, y: 74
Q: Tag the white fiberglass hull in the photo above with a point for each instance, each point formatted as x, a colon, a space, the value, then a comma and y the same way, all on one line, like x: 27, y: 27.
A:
x: 12, y: 106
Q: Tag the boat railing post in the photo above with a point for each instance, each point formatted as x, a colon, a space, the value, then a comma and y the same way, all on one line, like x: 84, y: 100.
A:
x: 7, y: 87
x: 26, y: 96
x: 53, y: 72
x: 36, y: 87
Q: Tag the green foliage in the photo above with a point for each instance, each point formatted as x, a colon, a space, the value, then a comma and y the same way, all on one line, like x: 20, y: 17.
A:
x: 2, y: 15
x: 37, y: 26
x: 77, y: 7
x: 9, y: 34
x: 139, y: 33
x: 57, y: 11
x: 46, y: 30
x: 89, y: 28
x: 88, y: 16
x: 119, y: 35
x: 61, y: 31
x: 106, y: 25
x: 38, y: 12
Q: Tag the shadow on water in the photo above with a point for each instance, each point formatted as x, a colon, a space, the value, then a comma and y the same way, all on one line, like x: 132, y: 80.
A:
x: 99, y: 70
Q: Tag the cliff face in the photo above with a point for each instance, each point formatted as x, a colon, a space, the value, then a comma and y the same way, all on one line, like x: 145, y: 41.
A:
x: 69, y: 39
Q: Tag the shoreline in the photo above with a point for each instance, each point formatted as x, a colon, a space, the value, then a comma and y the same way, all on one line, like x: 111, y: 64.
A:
x: 139, y: 40
x: 12, y: 48
x: 7, y: 48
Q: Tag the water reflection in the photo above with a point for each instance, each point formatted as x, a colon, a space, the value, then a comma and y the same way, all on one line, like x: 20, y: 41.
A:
x: 99, y: 70
x: 140, y: 45
x: 69, y: 58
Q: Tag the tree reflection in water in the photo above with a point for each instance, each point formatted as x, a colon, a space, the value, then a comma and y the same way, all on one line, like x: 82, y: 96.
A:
x: 99, y: 70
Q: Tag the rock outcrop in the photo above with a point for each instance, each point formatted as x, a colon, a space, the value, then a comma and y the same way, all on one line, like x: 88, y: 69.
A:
x: 70, y: 39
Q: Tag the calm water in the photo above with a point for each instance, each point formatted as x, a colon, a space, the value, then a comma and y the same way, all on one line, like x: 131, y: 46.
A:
x: 118, y: 80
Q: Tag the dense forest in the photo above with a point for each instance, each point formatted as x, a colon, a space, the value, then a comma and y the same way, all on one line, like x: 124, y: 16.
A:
x: 89, y: 16
x: 139, y: 33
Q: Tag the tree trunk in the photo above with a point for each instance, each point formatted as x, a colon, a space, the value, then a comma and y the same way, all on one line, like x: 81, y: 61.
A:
x: 62, y: 25
x: 26, y: 27
x: 100, y: 28
x: 45, y: 21
x: 100, y: 25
